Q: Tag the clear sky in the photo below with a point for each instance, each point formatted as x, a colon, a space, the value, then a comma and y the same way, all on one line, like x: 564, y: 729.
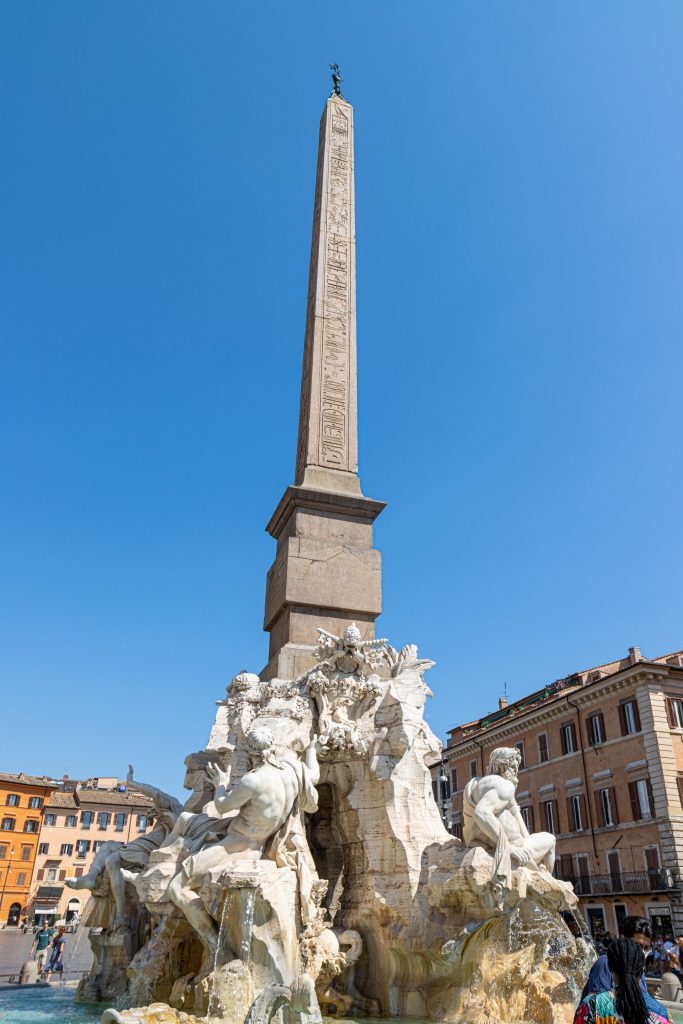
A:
x: 519, y: 177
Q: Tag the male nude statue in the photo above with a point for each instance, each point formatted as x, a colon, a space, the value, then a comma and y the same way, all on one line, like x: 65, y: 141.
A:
x: 113, y: 861
x: 278, y: 784
x: 492, y: 819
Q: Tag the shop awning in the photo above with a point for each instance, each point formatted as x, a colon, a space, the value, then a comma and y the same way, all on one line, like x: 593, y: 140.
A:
x: 37, y: 911
x: 49, y: 892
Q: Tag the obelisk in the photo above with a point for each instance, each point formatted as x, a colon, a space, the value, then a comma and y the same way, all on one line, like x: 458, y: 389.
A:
x: 326, y: 572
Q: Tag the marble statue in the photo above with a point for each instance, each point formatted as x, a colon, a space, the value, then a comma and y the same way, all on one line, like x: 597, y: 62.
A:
x: 120, y: 862
x: 265, y: 799
x: 492, y: 819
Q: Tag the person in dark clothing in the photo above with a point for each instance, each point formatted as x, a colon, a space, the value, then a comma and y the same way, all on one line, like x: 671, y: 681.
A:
x: 56, y: 963
x: 639, y: 930
x: 624, y: 1002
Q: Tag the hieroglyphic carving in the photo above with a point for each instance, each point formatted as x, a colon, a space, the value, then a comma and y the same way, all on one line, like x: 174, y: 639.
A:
x: 327, y: 410
x: 335, y: 383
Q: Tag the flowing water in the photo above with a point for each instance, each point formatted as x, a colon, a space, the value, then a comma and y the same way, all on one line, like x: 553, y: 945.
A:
x: 213, y: 1006
x: 56, y: 1005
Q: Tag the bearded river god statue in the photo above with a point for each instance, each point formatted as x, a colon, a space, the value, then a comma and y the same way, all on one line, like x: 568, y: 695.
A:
x: 310, y: 869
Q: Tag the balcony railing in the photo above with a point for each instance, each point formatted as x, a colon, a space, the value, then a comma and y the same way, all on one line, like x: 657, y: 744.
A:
x: 661, y: 880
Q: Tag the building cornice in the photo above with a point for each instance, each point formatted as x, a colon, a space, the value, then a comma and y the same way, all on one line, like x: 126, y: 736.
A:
x: 558, y: 707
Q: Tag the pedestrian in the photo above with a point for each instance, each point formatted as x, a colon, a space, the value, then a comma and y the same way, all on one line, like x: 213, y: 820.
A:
x: 624, y: 1002
x: 56, y: 962
x: 677, y: 961
x: 639, y: 930
x: 41, y: 941
x: 24, y: 926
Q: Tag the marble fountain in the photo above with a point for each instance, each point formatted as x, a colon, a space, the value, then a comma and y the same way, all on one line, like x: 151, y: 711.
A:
x: 309, y: 872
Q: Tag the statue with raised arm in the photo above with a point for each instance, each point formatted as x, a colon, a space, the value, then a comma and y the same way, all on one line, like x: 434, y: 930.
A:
x: 492, y: 819
x: 336, y: 79
x: 265, y: 799
x: 121, y: 863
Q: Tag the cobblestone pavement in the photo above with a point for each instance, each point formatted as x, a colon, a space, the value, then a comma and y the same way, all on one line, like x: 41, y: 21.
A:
x: 15, y: 949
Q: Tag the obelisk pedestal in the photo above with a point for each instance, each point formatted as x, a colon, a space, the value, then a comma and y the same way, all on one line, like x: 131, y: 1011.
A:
x: 326, y: 571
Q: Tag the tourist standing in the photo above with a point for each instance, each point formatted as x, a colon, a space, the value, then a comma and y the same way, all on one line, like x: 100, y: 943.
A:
x: 40, y: 944
x: 624, y: 1002
x: 639, y: 930
x: 56, y: 962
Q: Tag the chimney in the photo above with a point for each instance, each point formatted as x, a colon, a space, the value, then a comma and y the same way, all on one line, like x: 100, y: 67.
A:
x: 634, y: 655
x: 502, y: 703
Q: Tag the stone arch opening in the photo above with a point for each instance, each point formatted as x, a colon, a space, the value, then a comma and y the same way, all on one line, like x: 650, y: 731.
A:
x: 326, y: 846
x: 73, y: 909
x: 14, y: 915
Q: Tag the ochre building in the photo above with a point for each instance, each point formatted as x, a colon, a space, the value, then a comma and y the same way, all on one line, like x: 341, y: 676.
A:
x: 602, y: 769
x: 22, y: 804
x: 79, y: 817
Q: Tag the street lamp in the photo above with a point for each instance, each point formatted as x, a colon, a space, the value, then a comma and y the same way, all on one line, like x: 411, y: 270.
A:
x: 4, y: 885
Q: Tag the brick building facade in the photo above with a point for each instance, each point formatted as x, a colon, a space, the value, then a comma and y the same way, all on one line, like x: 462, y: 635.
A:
x: 602, y: 768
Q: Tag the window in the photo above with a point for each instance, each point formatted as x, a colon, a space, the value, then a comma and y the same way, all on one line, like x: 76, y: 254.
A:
x: 551, y: 818
x: 568, y: 738
x: 564, y: 867
x: 629, y: 717
x: 50, y: 819
x: 457, y: 830
x: 97, y: 844
x: 82, y: 847
x: 576, y: 812
x: 52, y: 874
x: 583, y: 874
x: 8, y: 824
x: 454, y: 789
x: 642, y: 802
x: 31, y: 825
x: 543, y: 748
x: 66, y: 849
x: 21, y: 878
x: 35, y: 802
x: 44, y: 848
x: 520, y: 748
x: 26, y: 853
x: 528, y: 817
x: 70, y: 821
x: 653, y: 867
x: 596, y: 729
x: 103, y: 820
x: 606, y: 806
x: 3, y: 853
x: 614, y: 868
x: 473, y: 769
x: 674, y: 710
x: 12, y: 800
x: 86, y: 819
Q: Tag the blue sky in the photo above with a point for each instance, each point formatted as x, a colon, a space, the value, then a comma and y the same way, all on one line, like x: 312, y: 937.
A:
x: 519, y: 177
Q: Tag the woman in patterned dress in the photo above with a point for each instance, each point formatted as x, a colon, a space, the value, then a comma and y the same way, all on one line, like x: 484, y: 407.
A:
x: 624, y: 1003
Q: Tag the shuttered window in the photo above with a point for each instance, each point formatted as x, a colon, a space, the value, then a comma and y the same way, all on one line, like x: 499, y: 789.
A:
x: 642, y: 800
x: 576, y: 813
x: 606, y: 807
x: 568, y: 738
x: 596, y: 729
x: 629, y: 718
x: 674, y: 712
